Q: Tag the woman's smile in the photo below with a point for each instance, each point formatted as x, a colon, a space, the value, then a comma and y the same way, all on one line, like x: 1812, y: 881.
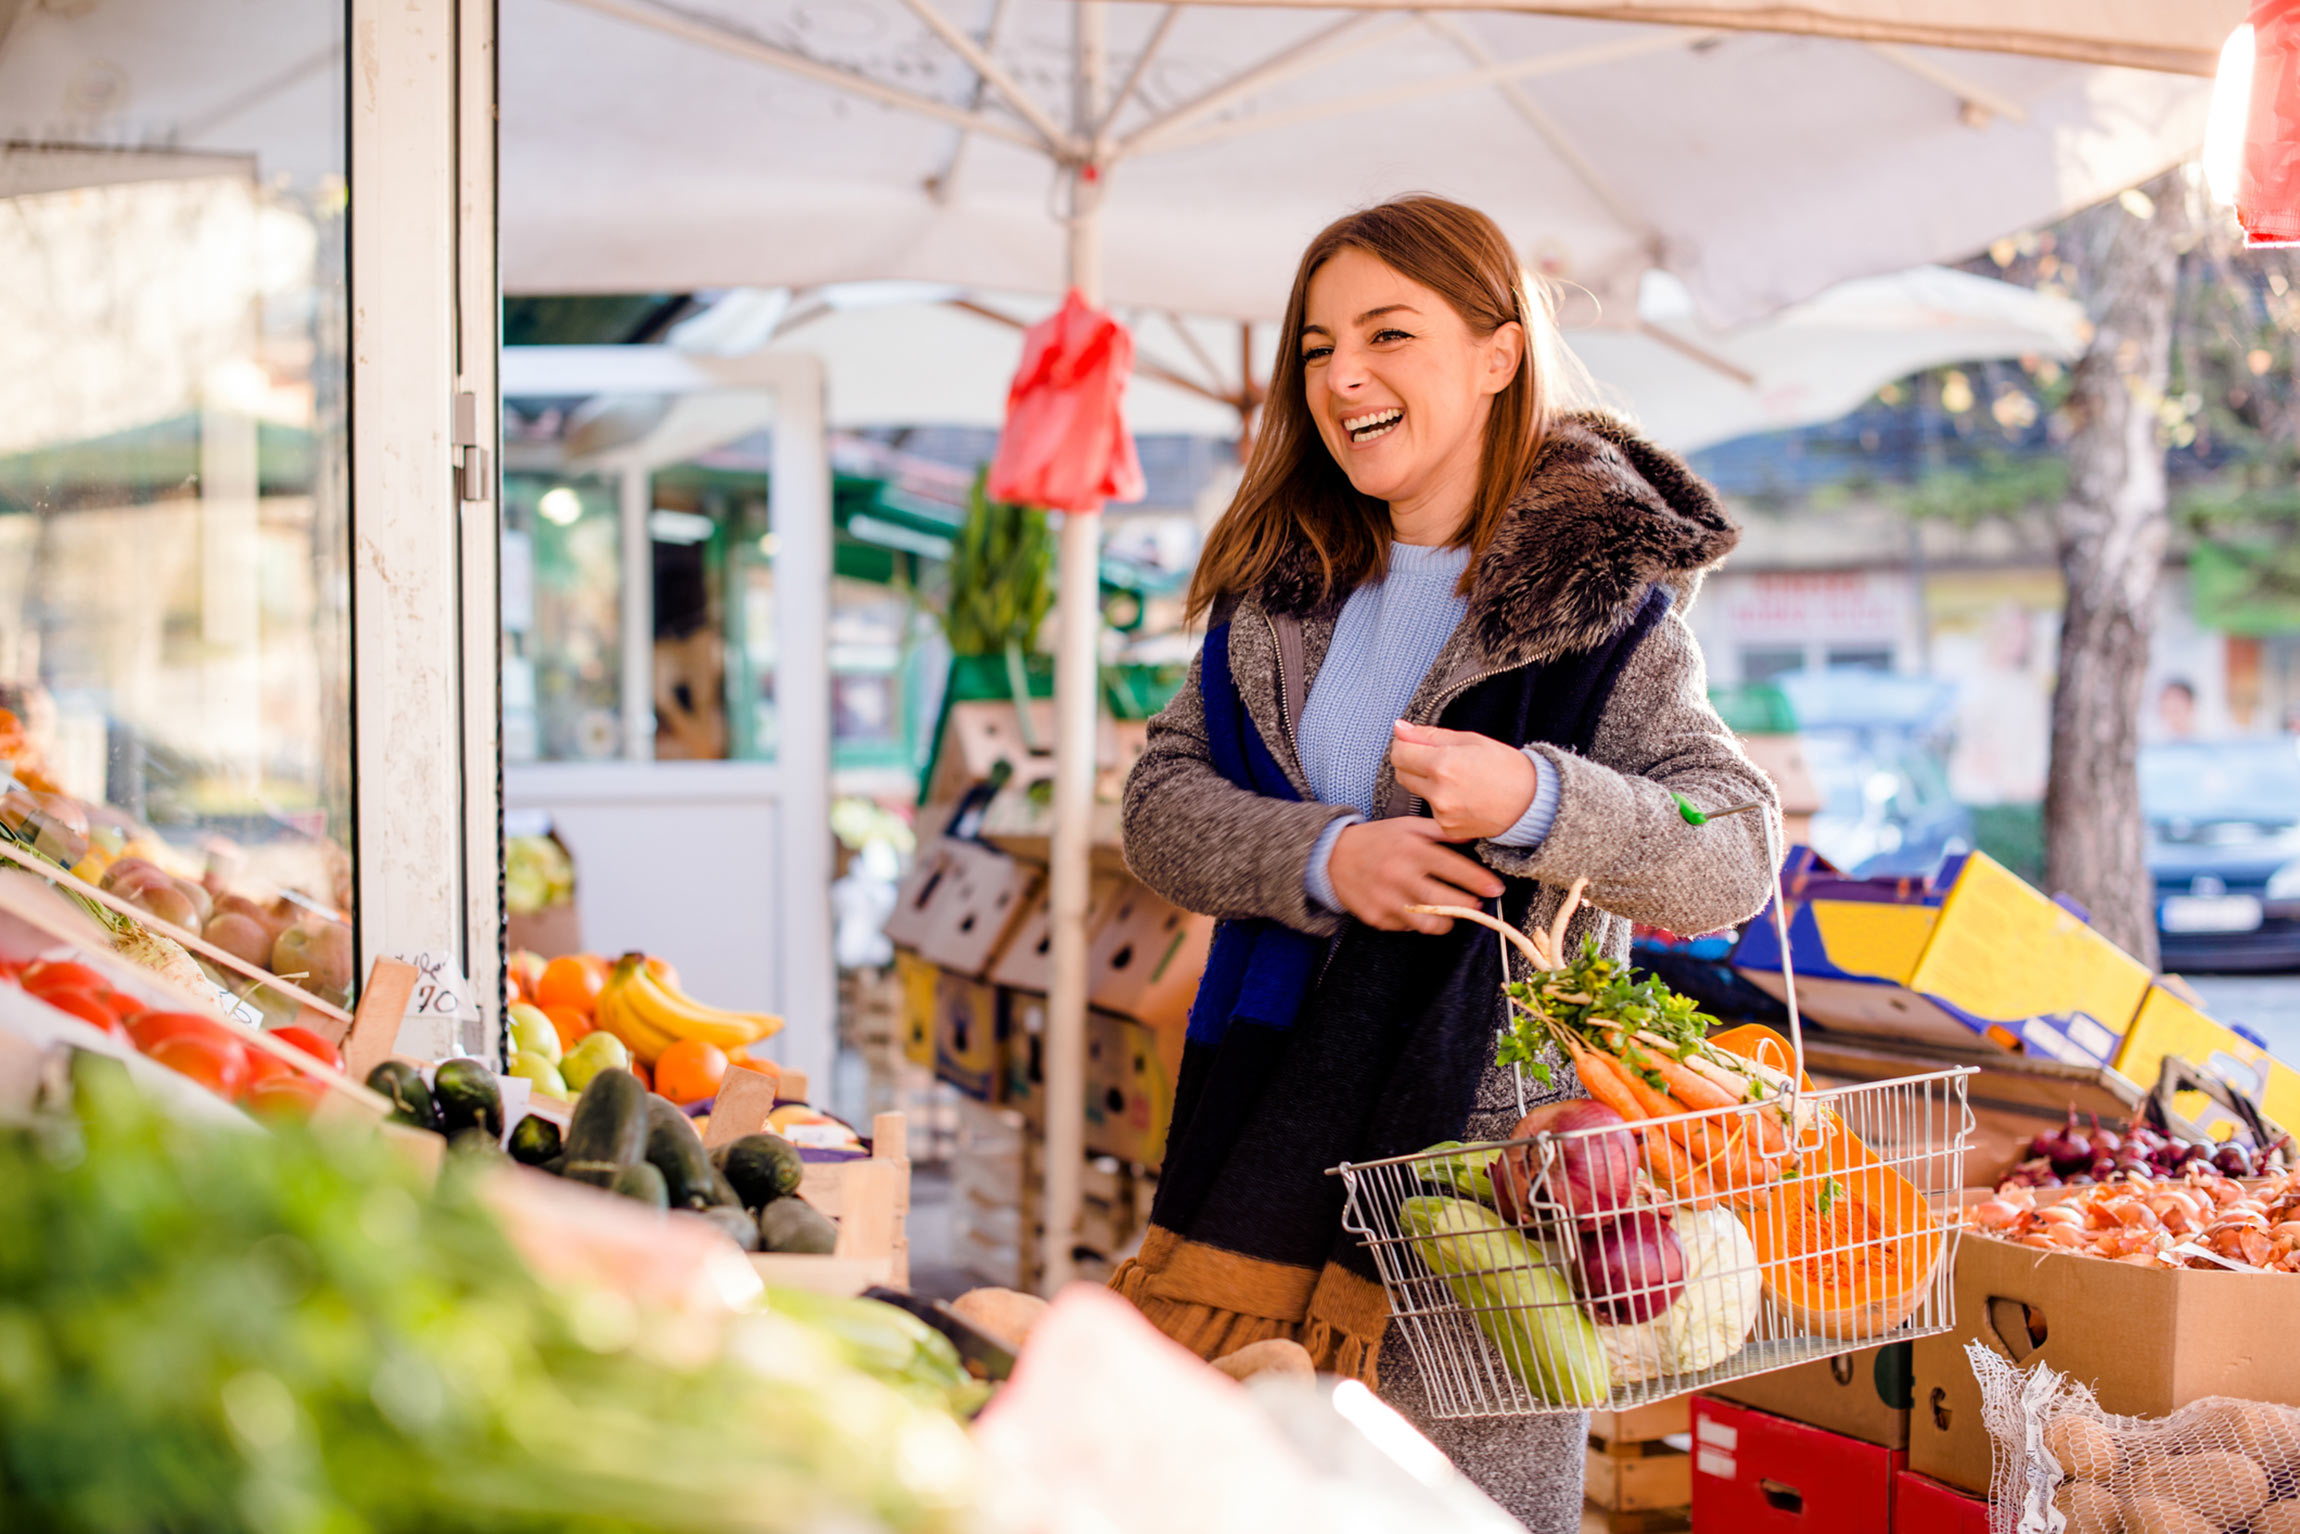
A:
x: 1366, y: 426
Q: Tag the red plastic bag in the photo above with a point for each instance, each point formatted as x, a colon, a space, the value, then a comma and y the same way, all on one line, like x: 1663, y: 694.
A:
x: 2268, y: 189
x: 1065, y: 446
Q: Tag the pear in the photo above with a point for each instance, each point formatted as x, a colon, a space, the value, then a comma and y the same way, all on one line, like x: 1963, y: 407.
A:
x: 593, y: 1053
x: 540, y: 1073
x: 532, y: 1031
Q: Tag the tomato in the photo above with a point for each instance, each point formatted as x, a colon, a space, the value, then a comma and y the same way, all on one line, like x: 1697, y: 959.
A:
x: 221, y: 1067
x: 155, y: 1028
x: 42, y: 975
x: 264, y: 1067
x: 85, y: 1005
x: 284, y: 1099
x: 311, y: 1044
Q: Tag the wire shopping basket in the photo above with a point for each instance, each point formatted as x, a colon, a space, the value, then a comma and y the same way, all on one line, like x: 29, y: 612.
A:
x: 1609, y: 1264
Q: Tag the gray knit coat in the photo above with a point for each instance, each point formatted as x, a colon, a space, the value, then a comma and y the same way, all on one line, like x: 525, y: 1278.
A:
x: 1602, y: 519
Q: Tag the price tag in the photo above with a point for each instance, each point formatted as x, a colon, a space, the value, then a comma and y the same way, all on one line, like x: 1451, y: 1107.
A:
x: 238, y: 1007
x: 443, y: 1017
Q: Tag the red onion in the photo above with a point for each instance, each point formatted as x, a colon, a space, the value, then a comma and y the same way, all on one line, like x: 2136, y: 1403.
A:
x: 1634, y: 1266
x: 1593, y: 1174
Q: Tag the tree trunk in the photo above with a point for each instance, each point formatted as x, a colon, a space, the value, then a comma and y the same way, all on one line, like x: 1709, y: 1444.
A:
x: 2112, y: 530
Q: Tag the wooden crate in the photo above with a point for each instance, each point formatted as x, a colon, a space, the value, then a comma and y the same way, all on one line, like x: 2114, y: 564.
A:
x: 868, y: 1197
x: 1632, y: 1480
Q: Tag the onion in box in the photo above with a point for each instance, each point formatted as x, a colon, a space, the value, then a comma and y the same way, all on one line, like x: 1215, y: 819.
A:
x: 1710, y: 1321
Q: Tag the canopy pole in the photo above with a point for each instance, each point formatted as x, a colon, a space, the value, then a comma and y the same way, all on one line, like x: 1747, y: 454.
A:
x: 1077, y: 686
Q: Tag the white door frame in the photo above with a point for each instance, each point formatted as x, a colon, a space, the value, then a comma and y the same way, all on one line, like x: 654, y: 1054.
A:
x: 426, y: 736
x: 799, y: 511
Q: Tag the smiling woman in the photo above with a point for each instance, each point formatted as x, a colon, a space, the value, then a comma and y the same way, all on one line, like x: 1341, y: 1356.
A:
x: 1447, y: 664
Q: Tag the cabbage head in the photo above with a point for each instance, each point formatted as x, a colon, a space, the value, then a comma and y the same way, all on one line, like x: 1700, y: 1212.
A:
x: 1710, y: 1321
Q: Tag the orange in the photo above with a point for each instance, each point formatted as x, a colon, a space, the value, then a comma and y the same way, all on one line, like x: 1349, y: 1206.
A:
x: 639, y: 1069
x: 524, y: 972
x: 568, y: 1023
x: 569, y: 982
x: 690, y: 1071
x: 759, y: 1063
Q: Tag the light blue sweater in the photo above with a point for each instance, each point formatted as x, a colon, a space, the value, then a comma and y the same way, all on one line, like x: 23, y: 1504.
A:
x: 1384, y: 642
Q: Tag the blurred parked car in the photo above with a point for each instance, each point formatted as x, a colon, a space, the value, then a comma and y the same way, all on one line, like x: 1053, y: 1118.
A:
x: 2224, y: 847
x: 1877, y: 747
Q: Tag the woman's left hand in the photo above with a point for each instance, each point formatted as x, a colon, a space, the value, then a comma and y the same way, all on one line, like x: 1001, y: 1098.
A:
x: 1475, y: 786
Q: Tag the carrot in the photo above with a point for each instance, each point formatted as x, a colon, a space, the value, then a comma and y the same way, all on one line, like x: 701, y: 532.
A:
x: 1689, y: 1086
x: 1604, y: 1078
x: 1667, y: 1160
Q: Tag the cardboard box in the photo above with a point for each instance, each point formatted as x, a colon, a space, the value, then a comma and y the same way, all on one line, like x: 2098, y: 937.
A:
x: 1974, y: 955
x: 1755, y: 1473
x: 1146, y: 960
x: 1922, y: 1505
x: 918, y: 980
x: 2146, y: 1340
x: 968, y: 1036
x: 971, y: 906
x: 1864, y: 1395
x: 1027, y: 963
x: 1025, y: 1064
x: 2170, y: 1025
x: 1131, y: 1069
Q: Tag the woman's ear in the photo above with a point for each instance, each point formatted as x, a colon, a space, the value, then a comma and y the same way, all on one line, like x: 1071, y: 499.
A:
x: 1504, y: 350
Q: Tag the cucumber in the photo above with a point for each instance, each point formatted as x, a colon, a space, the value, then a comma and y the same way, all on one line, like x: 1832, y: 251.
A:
x: 675, y: 1150
x: 468, y: 1097
x: 794, y: 1225
x: 474, y: 1141
x: 762, y: 1168
x: 609, y: 1129
x: 736, y: 1225
x: 556, y: 1166
x: 723, y: 1194
x: 534, y: 1140
x: 410, y: 1099
x: 641, y: 1182
x: 1524, y: 1306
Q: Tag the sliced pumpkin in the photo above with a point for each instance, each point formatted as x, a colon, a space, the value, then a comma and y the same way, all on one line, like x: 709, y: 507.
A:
x: 1845, y: 1243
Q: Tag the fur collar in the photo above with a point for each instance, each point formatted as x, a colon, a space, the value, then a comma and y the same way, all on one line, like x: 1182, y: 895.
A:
x: 1603, y: 517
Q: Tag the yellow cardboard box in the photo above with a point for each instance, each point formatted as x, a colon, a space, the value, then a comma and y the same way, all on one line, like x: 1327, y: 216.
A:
x: 2167, y: 1025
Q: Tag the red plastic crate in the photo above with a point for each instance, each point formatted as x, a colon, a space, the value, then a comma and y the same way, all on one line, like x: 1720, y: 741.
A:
x: 1922, y: 1505
x: 1755, y: 1473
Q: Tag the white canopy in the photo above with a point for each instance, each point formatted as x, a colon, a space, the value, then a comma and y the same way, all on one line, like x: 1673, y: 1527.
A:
x: 910, y: 355
x: 781, y: 142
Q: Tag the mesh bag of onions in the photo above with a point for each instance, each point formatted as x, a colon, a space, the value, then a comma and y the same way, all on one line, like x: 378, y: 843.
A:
x: 2215, y: 1466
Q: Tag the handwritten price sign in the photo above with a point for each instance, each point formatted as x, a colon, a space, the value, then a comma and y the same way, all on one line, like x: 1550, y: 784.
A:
x: 442, y: 1013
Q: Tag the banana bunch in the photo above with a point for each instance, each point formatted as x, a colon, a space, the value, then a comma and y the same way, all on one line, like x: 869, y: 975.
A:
x: 643, y: 1006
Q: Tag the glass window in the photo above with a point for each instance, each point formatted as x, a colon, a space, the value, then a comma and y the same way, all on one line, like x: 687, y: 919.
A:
x: 174, y: 545
x: 562, y: 619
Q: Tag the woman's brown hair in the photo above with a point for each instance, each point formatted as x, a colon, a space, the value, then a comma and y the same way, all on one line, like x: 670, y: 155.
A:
x: 1294, y: 492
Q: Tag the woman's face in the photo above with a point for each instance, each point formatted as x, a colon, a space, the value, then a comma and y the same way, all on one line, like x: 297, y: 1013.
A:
x: 1399, y: 385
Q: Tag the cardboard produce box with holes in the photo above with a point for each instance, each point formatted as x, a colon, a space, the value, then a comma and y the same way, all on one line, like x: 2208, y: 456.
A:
x: 1864, y: 1394
x: 918, y: 980
x: 1755, y: 1473
x: 1972, y: 955
x: 2146, y: 1340
x: 1145, y: 961
x: 1027, y: 962
x: 1131, y: 1069
x: 959, y: 915
x: 969, y: 1036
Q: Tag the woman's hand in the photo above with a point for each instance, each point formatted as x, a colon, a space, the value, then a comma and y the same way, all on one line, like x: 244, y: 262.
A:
x: 1379, y: 867
x: 1475, y: 786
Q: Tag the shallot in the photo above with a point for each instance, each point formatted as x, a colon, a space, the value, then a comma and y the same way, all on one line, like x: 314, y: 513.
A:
x: 2198, y: 1220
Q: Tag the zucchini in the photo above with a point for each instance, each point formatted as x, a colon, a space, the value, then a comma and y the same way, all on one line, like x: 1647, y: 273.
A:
x: 468, y: 1097
x: 641, y: 1182
x: 794, y: 1225
x: 1525, y: 1307
x: 476, y: 1142
x: 675, y: 1150
x: 410, y: 1099
x: 736, y: 1225
x: 609, y: 1129
x: 762, y: 1168
x: 534, y: 1140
